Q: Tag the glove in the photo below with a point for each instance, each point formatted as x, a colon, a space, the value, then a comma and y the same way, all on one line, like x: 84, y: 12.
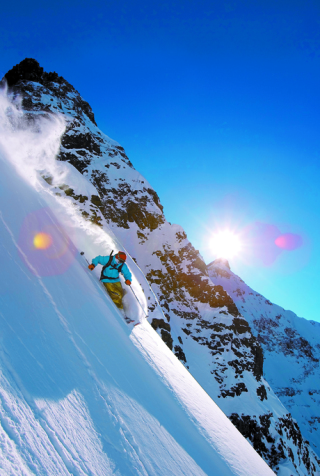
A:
x: 91, y: 266
x: 128, y: 282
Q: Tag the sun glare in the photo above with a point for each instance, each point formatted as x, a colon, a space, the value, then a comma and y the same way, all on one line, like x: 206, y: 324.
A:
x: 225, y: 244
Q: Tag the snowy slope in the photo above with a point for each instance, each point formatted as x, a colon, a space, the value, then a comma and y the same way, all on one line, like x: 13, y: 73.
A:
x: 196, y: 318
x: 291, y: 350
x: 80, y: 392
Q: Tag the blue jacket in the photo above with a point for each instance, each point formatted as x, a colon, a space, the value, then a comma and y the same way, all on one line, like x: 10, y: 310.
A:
x: 111, y: 273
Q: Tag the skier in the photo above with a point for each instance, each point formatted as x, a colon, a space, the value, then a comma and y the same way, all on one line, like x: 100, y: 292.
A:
x: 112, y: 266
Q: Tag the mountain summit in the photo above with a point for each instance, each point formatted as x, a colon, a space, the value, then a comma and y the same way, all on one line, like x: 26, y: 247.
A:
x: 221, y: 262
x: 30, y: 70
x: 192, y: 311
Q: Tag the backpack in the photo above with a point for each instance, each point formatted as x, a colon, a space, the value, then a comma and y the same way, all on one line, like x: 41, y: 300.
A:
x: 102, y: 276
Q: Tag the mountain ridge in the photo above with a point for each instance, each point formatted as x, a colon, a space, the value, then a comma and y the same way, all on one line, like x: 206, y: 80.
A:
x: 282, y: 333
x: 200, y: 323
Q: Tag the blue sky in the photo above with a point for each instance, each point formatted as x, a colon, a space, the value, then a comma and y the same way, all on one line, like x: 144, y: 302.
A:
x: 216, y: 103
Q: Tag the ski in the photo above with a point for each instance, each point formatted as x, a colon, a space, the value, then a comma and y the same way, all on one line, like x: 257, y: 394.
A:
x: 131, y: 321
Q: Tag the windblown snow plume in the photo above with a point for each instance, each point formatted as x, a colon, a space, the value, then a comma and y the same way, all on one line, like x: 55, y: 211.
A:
x: 31, y: 142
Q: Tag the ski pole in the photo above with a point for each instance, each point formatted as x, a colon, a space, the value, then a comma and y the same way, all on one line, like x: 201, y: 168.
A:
x: 146, y: 316
x: 82, y: 254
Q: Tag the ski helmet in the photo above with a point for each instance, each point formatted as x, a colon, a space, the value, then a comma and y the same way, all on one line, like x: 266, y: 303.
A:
x: 121, y: 256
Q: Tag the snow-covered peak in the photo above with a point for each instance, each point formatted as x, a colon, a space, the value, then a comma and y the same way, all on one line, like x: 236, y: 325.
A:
x: 220, y: 263
x: 80, y: 391
x: 197, y: 318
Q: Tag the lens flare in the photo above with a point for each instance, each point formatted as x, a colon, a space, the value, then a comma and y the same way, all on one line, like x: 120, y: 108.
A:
x: 46, y: 247
x: 42, y: 241
x: 266, y: 243
x: 288, y: 241
x: 226, y: 244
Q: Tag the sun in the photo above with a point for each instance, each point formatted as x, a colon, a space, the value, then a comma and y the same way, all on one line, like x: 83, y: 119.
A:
x: 225, y: 244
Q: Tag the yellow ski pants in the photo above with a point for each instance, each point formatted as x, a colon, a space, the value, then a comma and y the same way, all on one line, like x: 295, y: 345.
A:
x: 115, y: 291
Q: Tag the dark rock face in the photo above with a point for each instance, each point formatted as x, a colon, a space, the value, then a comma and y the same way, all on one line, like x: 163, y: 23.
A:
x: 257, y: 431
x: 81, y: 141
x: 196, y: 312
x: 236, y: 390
x: 274, y: 451
x: 30, y: 70
x: 180, y: 354
x: 124, y: 205
x: 262, y: 393
x: 290, y: 429
x: 165, y: 331
x: 291, y: 343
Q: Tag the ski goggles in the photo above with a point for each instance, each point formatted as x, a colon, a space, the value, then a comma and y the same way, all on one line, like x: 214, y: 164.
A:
x: 121, y: 257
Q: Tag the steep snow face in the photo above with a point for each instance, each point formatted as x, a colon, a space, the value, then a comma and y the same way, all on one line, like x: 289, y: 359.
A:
x: 291, y: 348
x: 80, y: 391
x: 197, y: 319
